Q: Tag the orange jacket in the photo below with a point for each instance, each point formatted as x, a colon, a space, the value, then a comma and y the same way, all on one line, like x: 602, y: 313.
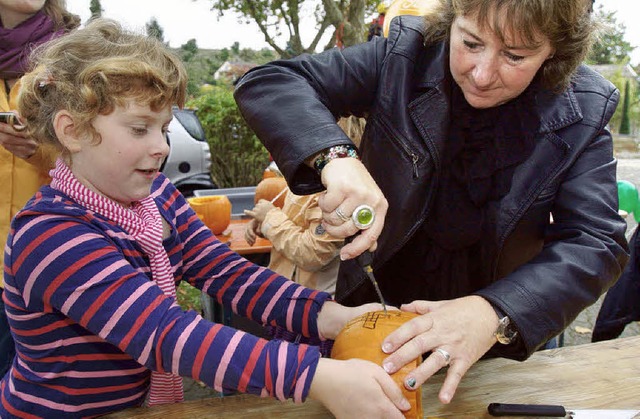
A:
x: 19, y: 178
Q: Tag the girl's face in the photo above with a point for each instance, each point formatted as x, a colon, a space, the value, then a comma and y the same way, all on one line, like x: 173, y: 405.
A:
x: 14, y: 12
x: 488, y: 71
x: 125, y: 162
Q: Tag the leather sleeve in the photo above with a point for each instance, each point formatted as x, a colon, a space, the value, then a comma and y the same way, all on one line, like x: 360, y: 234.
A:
x: 293, y: 105
x: 585, y: 248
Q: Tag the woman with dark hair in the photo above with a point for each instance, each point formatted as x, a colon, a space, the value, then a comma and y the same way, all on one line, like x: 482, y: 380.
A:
x: 23, y: 166
x: 481, y: 123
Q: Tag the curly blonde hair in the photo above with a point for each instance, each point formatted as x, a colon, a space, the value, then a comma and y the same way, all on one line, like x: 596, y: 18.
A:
x: 91, y: 71
x: 568, y: 24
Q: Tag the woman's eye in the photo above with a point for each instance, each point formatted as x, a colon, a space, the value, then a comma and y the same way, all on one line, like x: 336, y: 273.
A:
x: 471, y: 45
x: 514, y: 58
x: 138, y: 131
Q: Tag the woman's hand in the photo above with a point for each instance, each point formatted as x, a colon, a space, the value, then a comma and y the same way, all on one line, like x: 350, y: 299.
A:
x: 350, y: 185
x: 333, y: 316
x: 357, y: 389
x: 463, y: 327
x: 17, y: 142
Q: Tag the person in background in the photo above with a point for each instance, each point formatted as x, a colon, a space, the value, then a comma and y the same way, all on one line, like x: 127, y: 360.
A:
x: 302, y: 250
x: 481, y: 122
x: 93, y: 259
x: 23, y: 165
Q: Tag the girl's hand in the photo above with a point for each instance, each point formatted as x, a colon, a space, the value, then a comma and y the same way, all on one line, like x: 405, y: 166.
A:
x: 17, y: 142
x: 350, y: 185
x: 357, y: 389
x: 463, y: 327
x: 333, y: 317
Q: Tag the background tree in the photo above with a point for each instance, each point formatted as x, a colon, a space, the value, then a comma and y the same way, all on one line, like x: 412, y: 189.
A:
x: 611, y: 47
x: 96, y: 9
x: 625, y: 126
x: 154, y: 29
x: 277, y: 17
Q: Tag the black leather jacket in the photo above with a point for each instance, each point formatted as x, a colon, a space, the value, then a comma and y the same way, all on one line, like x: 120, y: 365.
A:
x: 544, y: 274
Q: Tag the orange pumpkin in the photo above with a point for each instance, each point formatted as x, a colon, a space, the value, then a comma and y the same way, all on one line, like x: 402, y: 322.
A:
x: 214, y: 210
x: 362, y: 338
x: 269, y: 188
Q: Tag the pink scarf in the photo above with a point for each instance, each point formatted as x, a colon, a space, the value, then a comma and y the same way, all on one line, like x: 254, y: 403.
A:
x: 143, y: 221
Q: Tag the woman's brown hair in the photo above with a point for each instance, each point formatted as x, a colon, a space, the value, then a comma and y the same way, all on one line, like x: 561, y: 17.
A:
x: 567, y: 24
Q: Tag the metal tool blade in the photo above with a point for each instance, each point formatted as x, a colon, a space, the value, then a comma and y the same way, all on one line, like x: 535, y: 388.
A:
x: 365, y: 260
x: 602, y: 414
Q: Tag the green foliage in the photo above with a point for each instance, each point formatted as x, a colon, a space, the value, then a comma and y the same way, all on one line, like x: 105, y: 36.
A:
x: 620, y: 81
x: 154, y: 29
x: 625, y: 127
x: 96, y: 9
x: 611, y: 48
x: 188, y: 297
x: 238, y: 158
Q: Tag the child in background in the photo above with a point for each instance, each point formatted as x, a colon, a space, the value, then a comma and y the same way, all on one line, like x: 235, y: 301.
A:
x: 92, y: 260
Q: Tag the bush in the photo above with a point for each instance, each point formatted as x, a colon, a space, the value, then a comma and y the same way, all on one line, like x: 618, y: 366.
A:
x: 238, y: 158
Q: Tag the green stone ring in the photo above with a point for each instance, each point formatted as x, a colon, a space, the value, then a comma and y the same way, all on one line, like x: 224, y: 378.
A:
x: 363, y: 217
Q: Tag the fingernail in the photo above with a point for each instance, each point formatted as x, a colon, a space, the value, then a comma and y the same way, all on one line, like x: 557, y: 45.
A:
x: 446, y: 398
x: 388, y: 367
x: 411, y: 382
x: 386, y: 348
x: 405, y: 405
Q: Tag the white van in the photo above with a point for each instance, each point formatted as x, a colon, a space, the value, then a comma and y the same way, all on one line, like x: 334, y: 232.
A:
x: 188, y: 164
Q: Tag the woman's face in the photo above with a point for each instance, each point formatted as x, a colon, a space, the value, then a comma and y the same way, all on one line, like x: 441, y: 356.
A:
x: 488, y: 71
x: 14, y: 12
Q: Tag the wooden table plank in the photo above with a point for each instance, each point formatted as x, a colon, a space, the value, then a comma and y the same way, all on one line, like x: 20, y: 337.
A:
x: 604, y: 375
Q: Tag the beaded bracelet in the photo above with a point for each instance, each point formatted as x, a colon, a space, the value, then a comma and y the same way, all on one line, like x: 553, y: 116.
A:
x: 335, y: 152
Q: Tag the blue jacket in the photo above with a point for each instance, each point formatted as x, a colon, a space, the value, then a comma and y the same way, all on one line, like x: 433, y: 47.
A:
x: 544, y: 274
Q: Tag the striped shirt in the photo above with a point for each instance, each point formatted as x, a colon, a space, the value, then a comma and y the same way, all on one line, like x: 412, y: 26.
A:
x: 90, y: 324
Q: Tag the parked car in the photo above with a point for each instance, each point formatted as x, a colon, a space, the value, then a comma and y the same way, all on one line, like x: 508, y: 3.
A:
x: 189, y: 161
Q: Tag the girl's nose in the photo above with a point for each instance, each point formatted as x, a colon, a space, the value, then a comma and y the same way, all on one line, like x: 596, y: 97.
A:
x: 161, y: 145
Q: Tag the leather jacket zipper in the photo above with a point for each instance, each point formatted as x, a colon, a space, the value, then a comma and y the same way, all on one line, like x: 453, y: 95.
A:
x: 407, y: 150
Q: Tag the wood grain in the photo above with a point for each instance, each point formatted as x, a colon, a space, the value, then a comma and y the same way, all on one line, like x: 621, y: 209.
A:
x: 604, y: 375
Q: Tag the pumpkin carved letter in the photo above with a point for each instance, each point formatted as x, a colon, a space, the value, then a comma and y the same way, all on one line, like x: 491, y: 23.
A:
x: 362, y: 338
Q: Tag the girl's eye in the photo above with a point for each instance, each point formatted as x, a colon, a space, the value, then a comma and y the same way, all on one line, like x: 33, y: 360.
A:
x: 138, y: 131
x: 471, y: 45
x: 514, y: 58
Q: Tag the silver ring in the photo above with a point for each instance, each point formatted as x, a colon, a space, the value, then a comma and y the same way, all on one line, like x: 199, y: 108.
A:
x: 341, y: 215
x: 363, y: 216
x: 446, y: 355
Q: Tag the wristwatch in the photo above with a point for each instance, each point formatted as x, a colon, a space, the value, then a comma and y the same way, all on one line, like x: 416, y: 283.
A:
x: 506, y: 333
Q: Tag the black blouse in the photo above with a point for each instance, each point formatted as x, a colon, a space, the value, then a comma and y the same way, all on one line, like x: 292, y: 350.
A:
x: 484, y: 148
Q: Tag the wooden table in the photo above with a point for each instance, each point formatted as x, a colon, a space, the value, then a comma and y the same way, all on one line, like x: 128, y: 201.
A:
x: 234, y: 237
x: 604, y: 375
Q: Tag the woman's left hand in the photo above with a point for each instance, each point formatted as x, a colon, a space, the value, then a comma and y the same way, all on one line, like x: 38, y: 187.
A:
x: 463, y: 328
x: 17, y: 142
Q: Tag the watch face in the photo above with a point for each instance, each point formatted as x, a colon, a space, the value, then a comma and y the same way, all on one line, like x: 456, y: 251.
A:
x: 505, y: 332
